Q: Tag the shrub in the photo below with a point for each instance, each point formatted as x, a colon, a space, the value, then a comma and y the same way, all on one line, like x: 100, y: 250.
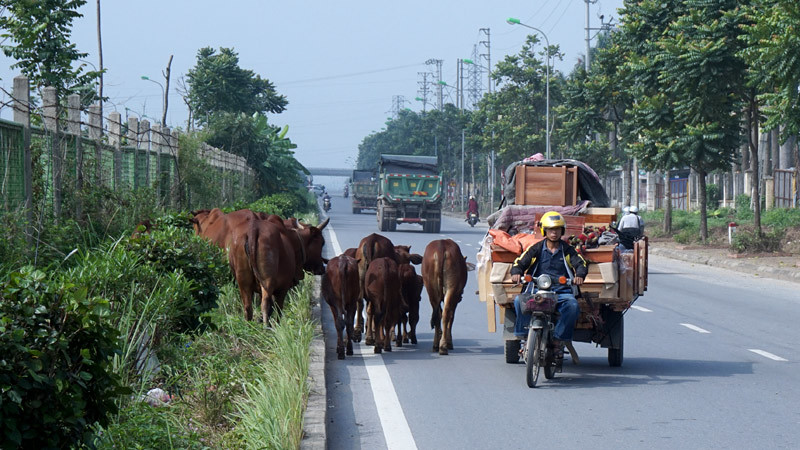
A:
x: 140, y: 425
x: 752, y: 242
x: 781, y: 218
x: 56, y: 345
x: 285, y: 204
x: 686, y: 236
x: 712, y: 195
x: 743, y: 211
x: 171, y: 250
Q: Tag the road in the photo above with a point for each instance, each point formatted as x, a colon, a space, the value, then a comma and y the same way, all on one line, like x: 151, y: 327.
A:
x: 710, y: 362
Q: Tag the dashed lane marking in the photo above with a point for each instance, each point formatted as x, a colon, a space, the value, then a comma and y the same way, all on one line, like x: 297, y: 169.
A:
x: 393, y: 421
x: 641, y: 308
x: 695, y: 328
x: 767, y: 354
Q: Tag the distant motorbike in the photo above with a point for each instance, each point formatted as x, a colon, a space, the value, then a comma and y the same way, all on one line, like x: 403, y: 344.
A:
x: 346, y: 192
x: 326, y: 204
x: 473, y: 219
x: 539, y: 350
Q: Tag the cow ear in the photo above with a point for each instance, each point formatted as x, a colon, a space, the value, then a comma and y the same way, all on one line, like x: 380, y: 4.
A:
x: 416, y: 258
x: 325, y: 260
x: 323, y: 224
x: 470, y: 266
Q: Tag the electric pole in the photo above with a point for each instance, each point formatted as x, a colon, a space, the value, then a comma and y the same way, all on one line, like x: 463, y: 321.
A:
x: 423, y: 89
x: 488, y: 56
x: 438, y: 75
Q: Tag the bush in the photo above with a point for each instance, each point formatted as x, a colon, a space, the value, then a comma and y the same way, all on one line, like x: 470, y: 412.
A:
x: 712, y: 196
x: 743, y: 211
x: 781, y: 218
x: 752, y: 242
x: 171, y: 250
x: 285, y: 204
x: 56, y: 345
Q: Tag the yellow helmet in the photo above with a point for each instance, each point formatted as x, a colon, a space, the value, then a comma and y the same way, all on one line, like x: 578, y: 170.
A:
x: 552, y: 219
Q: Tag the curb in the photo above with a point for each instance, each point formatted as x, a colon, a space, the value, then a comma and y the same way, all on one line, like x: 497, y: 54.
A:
x: 315, y: 416
x: 739, y: 265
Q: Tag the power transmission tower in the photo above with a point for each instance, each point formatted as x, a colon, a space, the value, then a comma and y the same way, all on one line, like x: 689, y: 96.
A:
x: 438, y: 76
x: 488, y: 55
x: 398, y: 102
x: 423, y: 89
x: 474, y: 85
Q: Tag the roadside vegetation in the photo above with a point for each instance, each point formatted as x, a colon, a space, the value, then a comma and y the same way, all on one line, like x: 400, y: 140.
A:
x: 781, y: 228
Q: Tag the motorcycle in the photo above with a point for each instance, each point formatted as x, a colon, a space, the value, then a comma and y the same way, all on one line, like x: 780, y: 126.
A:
x: 539, y: 351
x: 326, y: 204
x: 346, y: 192
x: 472, y: 219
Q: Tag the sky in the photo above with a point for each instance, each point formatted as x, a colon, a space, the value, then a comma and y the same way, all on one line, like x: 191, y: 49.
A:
x: 339, y: 64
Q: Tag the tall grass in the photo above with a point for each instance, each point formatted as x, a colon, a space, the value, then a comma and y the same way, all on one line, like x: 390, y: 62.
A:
x: 272, y: 415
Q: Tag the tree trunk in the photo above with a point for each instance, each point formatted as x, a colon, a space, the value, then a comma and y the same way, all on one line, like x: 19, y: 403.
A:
x: 166, y: 93
x: 667, y: 204
x: 755, y: 180
x: 701, y: 196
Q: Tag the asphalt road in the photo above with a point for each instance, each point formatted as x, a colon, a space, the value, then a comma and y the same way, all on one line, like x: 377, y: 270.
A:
x: 710, y: 362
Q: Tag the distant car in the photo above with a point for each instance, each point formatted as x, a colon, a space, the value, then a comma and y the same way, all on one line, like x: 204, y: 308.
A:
x: 316, y: 189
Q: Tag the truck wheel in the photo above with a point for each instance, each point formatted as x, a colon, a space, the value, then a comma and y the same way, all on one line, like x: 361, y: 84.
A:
x: 356, y: 210
x: 381, y: 221
x: 391, y: 223
x: 615, y: 354
x: 511, y: 351
x: 437, y: 227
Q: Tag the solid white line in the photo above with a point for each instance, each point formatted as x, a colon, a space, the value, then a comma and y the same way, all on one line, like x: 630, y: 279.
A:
x: 767, y: 354
x: 396, y: 431
x: 695, y: 328
x: 641, y: 308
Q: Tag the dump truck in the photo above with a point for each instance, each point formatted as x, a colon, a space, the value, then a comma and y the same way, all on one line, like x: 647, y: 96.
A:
x: 617, y: 276
x: 364, y: 190
x: 410, y: 191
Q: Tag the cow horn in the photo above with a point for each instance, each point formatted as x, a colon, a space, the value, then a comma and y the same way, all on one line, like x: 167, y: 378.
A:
x: 324, y: 223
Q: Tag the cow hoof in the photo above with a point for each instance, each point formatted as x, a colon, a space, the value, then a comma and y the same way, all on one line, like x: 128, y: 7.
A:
x: 442, y: 350
x: 399, y: 343
x: 389, y: 348
x: 405, y: 340
x: 435, y: 348
x: 357, y: 338
x: 369, y: 341
x: 378, y: 350
x: 449, y: 346
x: 349, y: 352
x: 414, y: 341
x: 340, y: 355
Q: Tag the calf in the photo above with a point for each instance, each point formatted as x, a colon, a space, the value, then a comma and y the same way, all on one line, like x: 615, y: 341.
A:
x: 444, y: 272
x: 341, y: 289
x: 384, y: 302
x: 411, y: 291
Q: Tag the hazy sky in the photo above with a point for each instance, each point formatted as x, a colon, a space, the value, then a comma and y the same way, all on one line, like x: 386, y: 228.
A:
x: 339, y: 64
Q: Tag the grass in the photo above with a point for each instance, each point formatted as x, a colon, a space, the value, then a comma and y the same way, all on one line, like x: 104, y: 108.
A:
x: 237, y: 385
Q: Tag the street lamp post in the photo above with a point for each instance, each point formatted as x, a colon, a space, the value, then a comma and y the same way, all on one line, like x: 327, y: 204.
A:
x: 513, y: 21
x: 163, y: 100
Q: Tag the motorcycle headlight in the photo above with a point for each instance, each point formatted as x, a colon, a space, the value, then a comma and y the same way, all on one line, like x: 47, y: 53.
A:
x: 544, y: 282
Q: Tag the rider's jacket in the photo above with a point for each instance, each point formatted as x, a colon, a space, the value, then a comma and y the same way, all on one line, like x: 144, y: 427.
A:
x: 528, y: 261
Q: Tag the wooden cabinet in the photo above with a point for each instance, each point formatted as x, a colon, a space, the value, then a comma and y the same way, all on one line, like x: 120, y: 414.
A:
x: 552, y: 186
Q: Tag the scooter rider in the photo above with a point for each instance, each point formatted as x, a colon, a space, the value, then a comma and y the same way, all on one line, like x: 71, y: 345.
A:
x: 632, y: 226
x: 556, y: 258
x: 472, y: 207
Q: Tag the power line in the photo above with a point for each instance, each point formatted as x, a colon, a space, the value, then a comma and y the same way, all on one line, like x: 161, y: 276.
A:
x: 347, y: 75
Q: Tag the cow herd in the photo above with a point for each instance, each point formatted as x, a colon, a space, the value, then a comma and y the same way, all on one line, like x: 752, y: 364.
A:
x: 270, y: 255
x: 381, y: 276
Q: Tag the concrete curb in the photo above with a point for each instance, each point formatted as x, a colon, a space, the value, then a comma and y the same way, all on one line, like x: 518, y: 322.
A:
x: 315, y: 417
x: 739, y: 265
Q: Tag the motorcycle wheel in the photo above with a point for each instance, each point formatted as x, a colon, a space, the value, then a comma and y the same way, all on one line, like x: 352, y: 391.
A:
x: 549, y: 364
x: 533, y: 357
x: 511, y: 351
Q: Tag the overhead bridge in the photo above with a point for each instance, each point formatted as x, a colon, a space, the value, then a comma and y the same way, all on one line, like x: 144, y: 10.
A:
x: 330, y: 172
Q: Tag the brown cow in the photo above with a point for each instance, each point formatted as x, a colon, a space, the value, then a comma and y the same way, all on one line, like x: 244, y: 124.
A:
x: 444, y: 272
x: 411, y: 291
x: 229, y: 231
x: 382, y: 287
x: 372, y: 247
x: 341, y: 289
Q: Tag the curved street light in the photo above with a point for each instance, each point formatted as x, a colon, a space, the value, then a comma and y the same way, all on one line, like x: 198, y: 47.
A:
x: 163, y: 100
x: 513, y: 21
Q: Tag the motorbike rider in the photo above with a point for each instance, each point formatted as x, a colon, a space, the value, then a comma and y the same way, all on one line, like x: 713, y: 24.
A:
x: 632, y: 226
x: 472, y: 206
x: 326, y: 198
x: 554, y: 257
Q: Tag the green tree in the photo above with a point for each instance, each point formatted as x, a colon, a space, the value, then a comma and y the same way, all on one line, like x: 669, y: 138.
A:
x: 40, y: 35
x: 218, y: 85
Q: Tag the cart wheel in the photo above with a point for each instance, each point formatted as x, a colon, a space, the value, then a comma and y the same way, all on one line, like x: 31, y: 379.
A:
x: 617, y: 334
x: 511, y: 351
x: 533, y: 356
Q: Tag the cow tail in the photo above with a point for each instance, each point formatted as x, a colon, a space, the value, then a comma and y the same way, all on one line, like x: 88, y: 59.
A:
x: 436, y: 316
x: 251, y: 249
x: 343, y: 294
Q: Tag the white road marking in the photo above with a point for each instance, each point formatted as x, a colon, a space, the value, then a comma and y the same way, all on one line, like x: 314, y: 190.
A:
x: 641, y: 308
x: 767, y: 354
x: 396, y: 431
x: 695, y: 328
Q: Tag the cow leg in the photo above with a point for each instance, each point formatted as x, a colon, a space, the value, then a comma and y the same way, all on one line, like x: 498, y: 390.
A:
x: 447, y: 329
x: 349, y: 326
x: 436, y: 324
x: 404, y: 322
x: 400, y: 334
x: 340, y: 325
x: 247, y: 302
x: 388, y: 327
x: 413, y: 319
x: 374, y: 326
x: 266, y: 304
x: 369, y: 338
x: 359, y: 321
